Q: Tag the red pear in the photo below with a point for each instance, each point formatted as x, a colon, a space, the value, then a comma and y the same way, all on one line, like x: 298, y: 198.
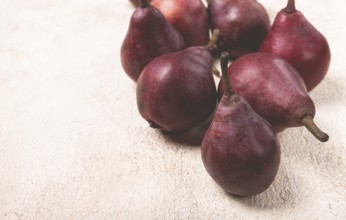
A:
x: 149, y: 36
x: 275, y: 91
x: 240, y: 150
x: 176, y: 91
x: 190, y: 18
x: 295, y: 39
x: 243, y: 25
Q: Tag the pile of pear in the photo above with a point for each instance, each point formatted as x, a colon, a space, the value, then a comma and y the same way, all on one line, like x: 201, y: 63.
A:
x: 169, y: 53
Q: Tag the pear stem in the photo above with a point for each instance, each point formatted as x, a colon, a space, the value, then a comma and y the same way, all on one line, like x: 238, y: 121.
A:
x: 224, y: 68
x: 309, y: 123
x: 213, y: 40
x: 144, y: 3
x: 211, y: 46
x: 216, y: 72
x: 291, y: 6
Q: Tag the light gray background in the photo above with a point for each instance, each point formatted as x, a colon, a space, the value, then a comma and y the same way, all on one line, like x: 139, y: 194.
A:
x: 73, y: 145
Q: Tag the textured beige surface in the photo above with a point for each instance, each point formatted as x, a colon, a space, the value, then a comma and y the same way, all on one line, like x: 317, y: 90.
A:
x: 73, y: 145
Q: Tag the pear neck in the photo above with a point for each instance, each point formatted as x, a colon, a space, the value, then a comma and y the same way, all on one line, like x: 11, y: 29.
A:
x: 144, y: 3
x: 224, y: 68
x: 291, y: 6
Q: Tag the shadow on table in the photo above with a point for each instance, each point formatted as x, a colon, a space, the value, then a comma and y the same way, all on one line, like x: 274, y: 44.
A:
x: 282, y: 194
x: 192, y: 137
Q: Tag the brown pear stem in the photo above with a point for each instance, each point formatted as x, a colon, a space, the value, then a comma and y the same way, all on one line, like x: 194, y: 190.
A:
x: 291, y: 6
x: 216, y: 72
x: 213, y: 40
x: 144, y: 3
x: 309, y: 123
x: 211, y: 46
x: 224, y: 69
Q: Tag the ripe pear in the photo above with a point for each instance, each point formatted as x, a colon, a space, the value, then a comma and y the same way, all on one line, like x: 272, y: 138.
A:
x: 296, y: 40
x: 275, y: 91
x: 190, y: 18
x: 176, y: 91
x: 243, y: 25
x: 240, y: 150
x: 149, y: 36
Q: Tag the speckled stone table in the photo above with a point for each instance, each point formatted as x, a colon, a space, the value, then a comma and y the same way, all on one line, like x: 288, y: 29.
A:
x: 73, y: 145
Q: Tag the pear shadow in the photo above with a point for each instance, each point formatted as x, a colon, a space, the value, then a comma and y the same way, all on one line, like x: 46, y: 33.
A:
x: 284, y: 193
x: 192, y: 137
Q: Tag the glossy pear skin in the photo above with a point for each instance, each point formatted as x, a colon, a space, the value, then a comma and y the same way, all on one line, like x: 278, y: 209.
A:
x: 177, y: 91
x: 295, y: 39
x: 272, y: 87
x: 239, y: 150
x: 149, y: 36
x: 243, y: 25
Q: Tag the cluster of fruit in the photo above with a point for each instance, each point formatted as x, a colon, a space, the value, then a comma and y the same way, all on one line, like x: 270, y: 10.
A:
x: 167, y: 51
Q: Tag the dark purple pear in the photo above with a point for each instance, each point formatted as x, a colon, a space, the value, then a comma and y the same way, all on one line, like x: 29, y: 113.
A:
x: 176, y: 91
x: 275, y: 91
x: 295, y: 39
x: 149, y: 36
x: 243, y: 25
x: 240, y: 150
